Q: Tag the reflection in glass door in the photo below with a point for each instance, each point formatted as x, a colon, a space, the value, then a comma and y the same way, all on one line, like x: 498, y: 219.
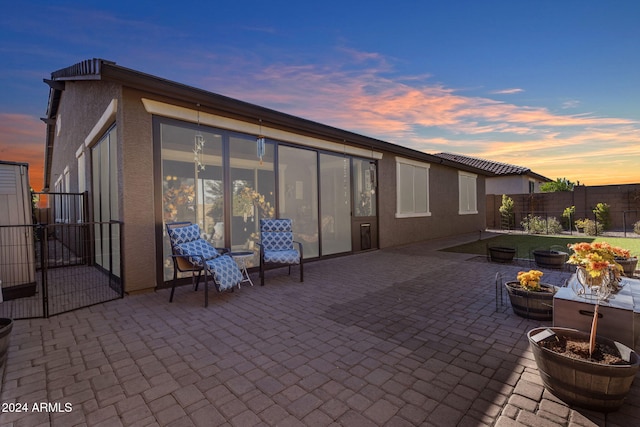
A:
x: 192, y: 181
x: 252, y: 190
x: 335, y: 198
x: 364, y: 222
x: 298, y: 195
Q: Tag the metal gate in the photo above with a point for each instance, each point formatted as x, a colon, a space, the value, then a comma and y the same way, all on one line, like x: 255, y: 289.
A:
x: 51, y: 269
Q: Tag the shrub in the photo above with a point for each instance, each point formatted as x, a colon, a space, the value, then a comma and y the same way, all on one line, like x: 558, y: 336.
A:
x: 636, y: 227
x: 603, y: 216
x: 539, y: 225
x: 589, y: 227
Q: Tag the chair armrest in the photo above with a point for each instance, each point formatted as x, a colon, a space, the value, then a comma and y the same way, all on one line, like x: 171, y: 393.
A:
x: 190, y: 256
x: 299, y: 248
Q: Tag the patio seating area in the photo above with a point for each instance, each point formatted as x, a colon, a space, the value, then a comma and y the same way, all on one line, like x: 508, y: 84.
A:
x: 398, y: 337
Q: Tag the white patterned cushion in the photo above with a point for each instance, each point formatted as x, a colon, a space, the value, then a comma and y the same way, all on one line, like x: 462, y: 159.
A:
x: 225, y: 271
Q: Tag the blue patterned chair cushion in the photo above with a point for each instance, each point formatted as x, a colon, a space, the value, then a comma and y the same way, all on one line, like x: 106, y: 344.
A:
x: 290, y: 256
x: 275, y: 225
x: 184, y: 234
x: 198, y: 249
x: 277, y: 241
x: 225, y: 271
x: 276, y: 237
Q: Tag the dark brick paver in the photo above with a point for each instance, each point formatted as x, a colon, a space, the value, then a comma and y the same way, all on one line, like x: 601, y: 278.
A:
x: 395, y: 337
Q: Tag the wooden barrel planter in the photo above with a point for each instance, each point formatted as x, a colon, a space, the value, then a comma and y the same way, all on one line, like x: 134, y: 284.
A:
x: 6, y: 325
x: 550, y: 259
x: 629, y: 265
x: 531, y: 305
x: 581, y: 382
x: 501, y: 254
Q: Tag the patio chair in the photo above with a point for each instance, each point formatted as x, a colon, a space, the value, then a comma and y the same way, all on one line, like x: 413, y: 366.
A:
x: 191, y: 253
x: 277, y: 246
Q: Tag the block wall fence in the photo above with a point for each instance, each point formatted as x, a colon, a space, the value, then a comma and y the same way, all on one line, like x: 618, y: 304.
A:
x: 624, y: 202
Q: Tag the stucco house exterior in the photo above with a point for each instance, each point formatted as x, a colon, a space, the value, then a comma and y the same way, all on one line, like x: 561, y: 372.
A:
x: 503, y: 178
x: 149, y: 151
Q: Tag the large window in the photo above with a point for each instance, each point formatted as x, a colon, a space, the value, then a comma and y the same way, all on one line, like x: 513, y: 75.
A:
x: 412, y: 183
x: 467, y: 189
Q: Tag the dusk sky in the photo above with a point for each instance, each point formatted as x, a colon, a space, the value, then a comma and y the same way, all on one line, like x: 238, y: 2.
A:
x: 553, y: 85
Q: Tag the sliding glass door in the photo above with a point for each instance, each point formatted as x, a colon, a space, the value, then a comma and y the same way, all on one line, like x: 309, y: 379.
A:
x: 252, y: 192
x: 298, y: 195
x: 335, y: 203
x: 226, y: 182
x: 192, y: 181
x: 104, y: 155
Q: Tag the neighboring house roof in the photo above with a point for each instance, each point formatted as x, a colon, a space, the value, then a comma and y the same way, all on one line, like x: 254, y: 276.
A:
x: 103, y: 70
x: 491, y: 167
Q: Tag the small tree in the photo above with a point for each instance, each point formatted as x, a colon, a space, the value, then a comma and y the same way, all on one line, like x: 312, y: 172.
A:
x: 506, y: 211
x: 560, y: 184
x: 603, y: 216
x: 567, y: 216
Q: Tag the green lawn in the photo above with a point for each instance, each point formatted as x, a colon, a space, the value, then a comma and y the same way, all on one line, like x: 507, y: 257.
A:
x: 526, y: 243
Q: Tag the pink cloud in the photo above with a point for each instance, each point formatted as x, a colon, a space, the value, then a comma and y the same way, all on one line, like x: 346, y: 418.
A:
x: 405, y: 110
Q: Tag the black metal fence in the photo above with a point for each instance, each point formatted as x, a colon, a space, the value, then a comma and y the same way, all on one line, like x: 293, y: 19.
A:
x: 48, y: 269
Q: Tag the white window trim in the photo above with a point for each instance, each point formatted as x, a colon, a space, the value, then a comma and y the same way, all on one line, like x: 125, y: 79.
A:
x: 399, y: 161
x: 475, y: 181
x: 104, y: 123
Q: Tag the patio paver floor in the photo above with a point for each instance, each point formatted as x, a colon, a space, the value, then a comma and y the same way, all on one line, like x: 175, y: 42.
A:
x: 400, y: 336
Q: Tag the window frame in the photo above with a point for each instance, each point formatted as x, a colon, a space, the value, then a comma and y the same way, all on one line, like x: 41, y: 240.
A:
x: 402, y: 187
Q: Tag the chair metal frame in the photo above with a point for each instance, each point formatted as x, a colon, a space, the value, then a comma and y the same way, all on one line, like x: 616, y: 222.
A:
x: 182, y: 264
x: 264, y: 266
